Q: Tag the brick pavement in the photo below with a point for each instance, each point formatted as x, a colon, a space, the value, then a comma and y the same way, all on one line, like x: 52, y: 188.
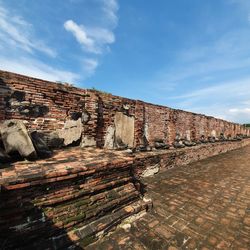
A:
x: 204, y: 205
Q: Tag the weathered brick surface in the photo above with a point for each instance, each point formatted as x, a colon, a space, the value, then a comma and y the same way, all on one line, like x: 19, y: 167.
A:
x: 204, y: 205
x: 76, y: 194
x: 61, y: 100
x: 167, y: 159
x: 108, y: 105
x: 58, y: 102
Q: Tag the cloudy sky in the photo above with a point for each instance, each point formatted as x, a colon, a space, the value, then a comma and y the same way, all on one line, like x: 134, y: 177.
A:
x: 192, y: 55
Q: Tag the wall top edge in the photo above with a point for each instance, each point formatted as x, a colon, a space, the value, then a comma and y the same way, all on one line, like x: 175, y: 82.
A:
x: 70, y: 86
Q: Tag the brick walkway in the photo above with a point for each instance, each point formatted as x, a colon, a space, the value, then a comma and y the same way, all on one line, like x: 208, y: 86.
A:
x: 205, y: 205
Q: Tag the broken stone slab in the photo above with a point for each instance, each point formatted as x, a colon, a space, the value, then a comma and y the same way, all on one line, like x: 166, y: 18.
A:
x: 178, y: 137
x: 109, y: 138
x: 143, y: 148
x: 213, y: 134
x: 161, y: 145
x: 203, y: 139
x: 88, y: 142
x: 222, y: 137
x: 119, y: 144
x: 40, y: 145
x: 188, y: 135
x: 124, y: 129
x: 178, y: 144
x: 129, y: 151
x: 85, y: 117
x: 150, y: 171
x: 211, y: 139
x: 189, y: 143
x: 71, y: 132
x: 238, y: 137
x: 15, y: 137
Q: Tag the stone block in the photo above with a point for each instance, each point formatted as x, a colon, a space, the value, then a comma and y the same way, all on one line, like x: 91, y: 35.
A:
x: 71, y: 132
x: 109, y: 138
x: 88, y: 142
x: 40, y: 145
x: 15, y: 137
x: 124, y: 128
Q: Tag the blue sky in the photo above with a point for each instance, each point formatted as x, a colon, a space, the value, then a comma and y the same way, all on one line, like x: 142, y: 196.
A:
x: 192, y: 55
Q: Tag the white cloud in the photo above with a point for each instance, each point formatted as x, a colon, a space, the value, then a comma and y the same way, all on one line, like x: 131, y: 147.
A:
x: 228, y: 52
x: 245, y: 111
x: 80, y: 34
x: 31, y: 67
x: 225, y: 100
x: 110, y: 8
x: 224, y: 89
x: 101, y: 35
x: 210, y: 79
x: 15, y: 31
x: 92, y: 39
x: 19, y: 47
x: 238, y: 115
x: 95, y: 39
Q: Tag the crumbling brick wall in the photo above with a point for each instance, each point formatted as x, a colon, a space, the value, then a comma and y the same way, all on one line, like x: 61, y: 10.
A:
x: 156, y: 130
x: 108, y: 105
x: 45, y: 106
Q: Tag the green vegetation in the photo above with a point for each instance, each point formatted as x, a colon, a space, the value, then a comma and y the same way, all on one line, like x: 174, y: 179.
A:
x: 247, y: 125
x: 87, y: 240
x: 101, y: 91
x: 77, y: 218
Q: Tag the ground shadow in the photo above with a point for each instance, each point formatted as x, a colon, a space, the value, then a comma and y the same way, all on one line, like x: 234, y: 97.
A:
x: 25, y: 226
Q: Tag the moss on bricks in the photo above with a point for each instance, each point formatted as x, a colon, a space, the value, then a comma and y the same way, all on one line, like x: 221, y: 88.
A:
x: 87, y: 240
x: 75, y: 218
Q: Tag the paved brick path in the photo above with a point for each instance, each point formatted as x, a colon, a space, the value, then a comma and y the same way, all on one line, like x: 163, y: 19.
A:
x: 205, y: 205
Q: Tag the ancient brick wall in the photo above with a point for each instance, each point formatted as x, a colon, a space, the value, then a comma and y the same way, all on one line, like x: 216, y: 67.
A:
x: 46, y: 106
x: 167, y: 159
x: 56, y: 204
x: 156, y: 130
x: 108, y: 106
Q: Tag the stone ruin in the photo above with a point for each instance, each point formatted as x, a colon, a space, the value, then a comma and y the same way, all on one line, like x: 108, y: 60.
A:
x: 72, y: 160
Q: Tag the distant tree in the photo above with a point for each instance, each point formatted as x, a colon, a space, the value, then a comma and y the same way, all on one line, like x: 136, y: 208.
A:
x: 247, y: 125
